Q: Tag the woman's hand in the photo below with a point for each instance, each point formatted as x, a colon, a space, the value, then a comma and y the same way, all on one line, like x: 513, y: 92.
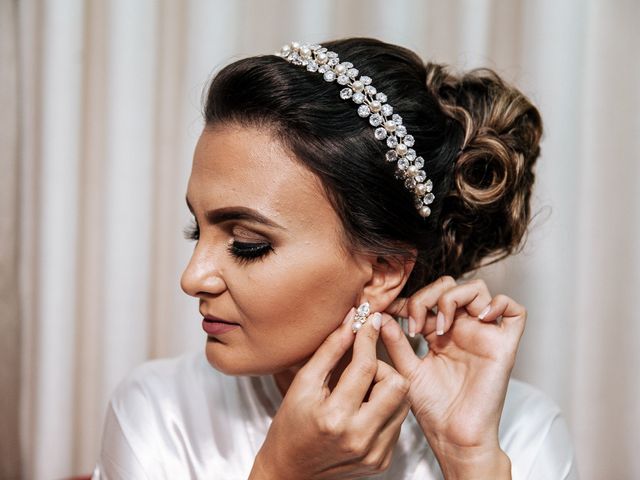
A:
x: 457, y: 390
x: 321, y: 433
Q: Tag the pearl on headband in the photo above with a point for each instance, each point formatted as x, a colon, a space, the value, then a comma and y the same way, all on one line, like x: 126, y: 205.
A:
x: 372, y: 105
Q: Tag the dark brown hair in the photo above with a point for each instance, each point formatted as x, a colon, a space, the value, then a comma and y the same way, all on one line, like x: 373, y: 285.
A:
x: 479, y: 137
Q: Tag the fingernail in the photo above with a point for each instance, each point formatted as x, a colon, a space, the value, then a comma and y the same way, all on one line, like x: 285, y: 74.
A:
x: 412, y: 326
x: 376, y: 321
x: 484, y: 312
x: 440, y: 324
x: 349, y: 316
x: 404, y: 324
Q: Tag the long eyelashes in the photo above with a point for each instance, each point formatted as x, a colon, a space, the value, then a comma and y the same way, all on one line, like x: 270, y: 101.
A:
x: 242, y: 252
x: 249, y: 252
x: 191, y: 231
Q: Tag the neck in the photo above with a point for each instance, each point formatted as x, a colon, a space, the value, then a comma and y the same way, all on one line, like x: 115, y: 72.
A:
x: 284, y: 378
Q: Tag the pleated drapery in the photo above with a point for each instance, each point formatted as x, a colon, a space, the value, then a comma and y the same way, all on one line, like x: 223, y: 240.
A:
x: 100, y: 115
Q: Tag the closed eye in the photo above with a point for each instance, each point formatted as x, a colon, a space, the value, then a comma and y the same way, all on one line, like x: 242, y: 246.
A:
x: 248, y: 252
x: 242, y: 252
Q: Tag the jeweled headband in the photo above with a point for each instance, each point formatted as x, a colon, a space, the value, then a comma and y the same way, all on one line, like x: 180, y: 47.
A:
x: 373, y: 105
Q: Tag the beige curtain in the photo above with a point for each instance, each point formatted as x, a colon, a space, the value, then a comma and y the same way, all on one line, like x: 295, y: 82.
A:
x: 9, y: 244
x: 100, y: 114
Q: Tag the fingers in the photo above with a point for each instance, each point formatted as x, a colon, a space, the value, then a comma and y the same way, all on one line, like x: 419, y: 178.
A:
x: 389, y: 391
x: 473, y: 296
x: 381, y: 452
x: 419, y: 305
x: 324, y: 360
x: 361, y: 371
x: 374, y: 449
x: 398, y: 347
x: 448, y: 297
x: 513, y: 314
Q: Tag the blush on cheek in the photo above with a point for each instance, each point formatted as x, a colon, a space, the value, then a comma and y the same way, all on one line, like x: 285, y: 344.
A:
x: 263, y: 357
x: 289, y: 304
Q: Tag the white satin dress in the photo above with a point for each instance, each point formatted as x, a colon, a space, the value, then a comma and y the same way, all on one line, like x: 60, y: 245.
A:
x: 180, y: 418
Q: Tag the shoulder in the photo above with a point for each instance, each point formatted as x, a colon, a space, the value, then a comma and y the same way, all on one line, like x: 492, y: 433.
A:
x: 166, y: 379
x: 534, y: 433
x: 149, y: 388
x: 523, y: 397
x: 159, y: 394
x: 161, y: 371
x: 152, y: 415
x: 526, y: 408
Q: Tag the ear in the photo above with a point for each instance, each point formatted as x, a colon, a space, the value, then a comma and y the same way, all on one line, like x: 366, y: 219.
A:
x: 388, y: 277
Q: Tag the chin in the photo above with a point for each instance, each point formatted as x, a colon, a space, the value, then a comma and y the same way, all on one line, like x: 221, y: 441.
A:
x: 226, y: 360
x: 232, y: 361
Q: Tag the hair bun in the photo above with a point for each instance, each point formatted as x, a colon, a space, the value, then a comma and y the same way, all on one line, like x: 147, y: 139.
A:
x: 486, y: 211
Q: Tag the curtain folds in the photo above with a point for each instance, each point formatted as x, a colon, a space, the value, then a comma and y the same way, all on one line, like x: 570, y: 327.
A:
x: 10, y: 327
x: 100, y: 115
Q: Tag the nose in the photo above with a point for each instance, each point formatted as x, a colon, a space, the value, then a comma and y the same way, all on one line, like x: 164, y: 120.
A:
x: 202, y: 276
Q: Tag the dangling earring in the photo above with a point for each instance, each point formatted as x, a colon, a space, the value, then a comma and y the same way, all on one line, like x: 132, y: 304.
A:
x: 361, y: 316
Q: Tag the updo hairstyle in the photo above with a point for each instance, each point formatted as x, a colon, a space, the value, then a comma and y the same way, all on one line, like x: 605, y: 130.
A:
x: 479, y: 137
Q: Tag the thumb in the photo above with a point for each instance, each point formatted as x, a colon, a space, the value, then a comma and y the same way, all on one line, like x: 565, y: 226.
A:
x: 402, y: 355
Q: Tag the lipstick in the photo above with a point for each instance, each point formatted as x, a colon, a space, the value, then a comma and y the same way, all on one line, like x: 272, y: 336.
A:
x: 216, y: 327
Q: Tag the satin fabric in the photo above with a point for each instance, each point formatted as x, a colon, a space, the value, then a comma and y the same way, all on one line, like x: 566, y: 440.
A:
x: 180, y: 418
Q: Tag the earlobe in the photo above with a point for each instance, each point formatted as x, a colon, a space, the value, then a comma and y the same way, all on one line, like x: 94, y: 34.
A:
x: 388, y: 277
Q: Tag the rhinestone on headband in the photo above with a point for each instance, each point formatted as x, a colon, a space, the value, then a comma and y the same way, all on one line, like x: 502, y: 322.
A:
x: 373, y: 105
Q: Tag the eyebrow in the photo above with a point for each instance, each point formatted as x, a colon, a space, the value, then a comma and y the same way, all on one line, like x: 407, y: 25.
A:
x: 238, y: 212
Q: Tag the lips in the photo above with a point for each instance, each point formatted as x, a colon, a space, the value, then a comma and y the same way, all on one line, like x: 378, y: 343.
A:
x: 213, y: 318
x: 216, y: 326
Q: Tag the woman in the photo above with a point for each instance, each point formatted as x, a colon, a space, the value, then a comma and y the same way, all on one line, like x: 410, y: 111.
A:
x: 316, y: 227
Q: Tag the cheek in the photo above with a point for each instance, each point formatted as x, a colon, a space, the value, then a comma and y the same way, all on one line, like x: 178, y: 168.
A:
x: 302, y: 295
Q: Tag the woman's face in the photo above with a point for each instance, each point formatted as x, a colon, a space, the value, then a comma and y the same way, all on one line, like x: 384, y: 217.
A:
x: 250, y: 198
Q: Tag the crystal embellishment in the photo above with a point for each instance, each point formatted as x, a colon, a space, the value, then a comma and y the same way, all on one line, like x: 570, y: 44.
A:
x: 376, y: 119
x: 363, y: 111
x: 346, y: 93
x: 363, y: 310
x: 380, y: 133
x: 373, y: 105
x: 360, y: 317
x: 358, y: 97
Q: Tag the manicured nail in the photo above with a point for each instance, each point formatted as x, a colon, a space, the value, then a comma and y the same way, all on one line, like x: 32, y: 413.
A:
x: 376, y: 320
x: 404, y: 324
x: 412, y: 326
x: 484, y: 312
x: 349, y: 316
x: 440, y: 324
